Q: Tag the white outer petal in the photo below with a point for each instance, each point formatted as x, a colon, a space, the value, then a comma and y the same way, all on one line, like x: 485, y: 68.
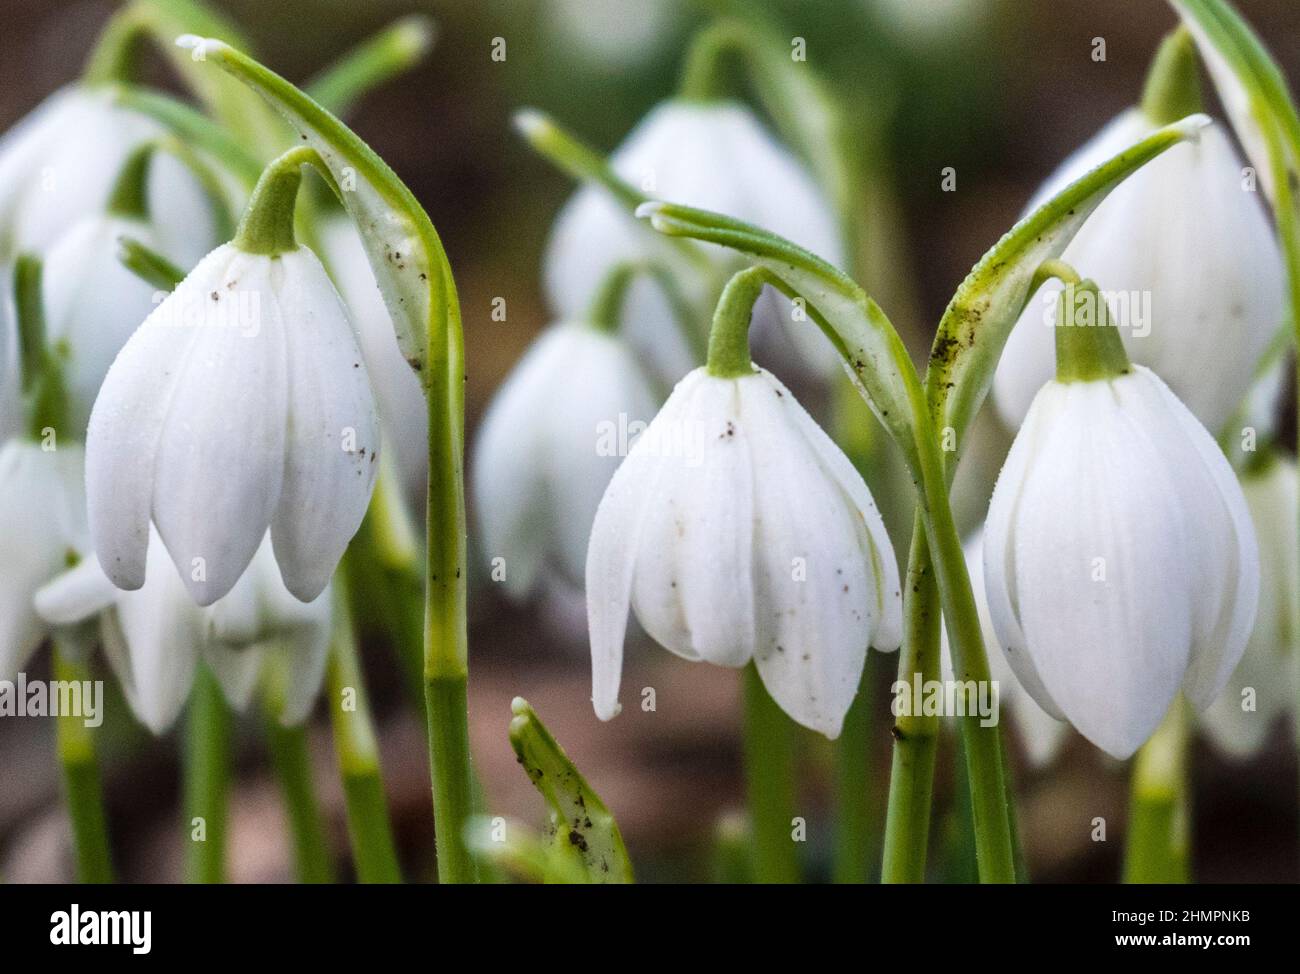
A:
x: 614, y: 547
x: 127, y: 420
x: 332, y: 439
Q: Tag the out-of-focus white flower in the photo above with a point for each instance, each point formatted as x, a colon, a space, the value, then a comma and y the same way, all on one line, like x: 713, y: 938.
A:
x: 615, y: 33
x: 403, y: 412
x: 714, y: 155
x: 738, y: 531
x: 242, y: 401
x: 256, y: 637
x: 60, y: 162
x: 1191, y: 268
x: 11, y: 401
x: 43, y: 511
x: 1263, y: 687
x: 548, y: 446
x: 1040, y: 733
x: 1119, y: 558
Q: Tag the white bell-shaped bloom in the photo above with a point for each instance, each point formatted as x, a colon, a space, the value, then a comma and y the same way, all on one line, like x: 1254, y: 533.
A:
x: 1263, y: 687
x: 43, y: 513
x: 548, y: 446
x: 92, y: 304
x: 155, y: 636
x: 60, y: 162
x: 1040, y: 733
x: 738, y: 531
x: 1119, y: 558
x: 715, y: 155
x: 403, y: 411
x: 1191, y: 266
x: 241, y: 402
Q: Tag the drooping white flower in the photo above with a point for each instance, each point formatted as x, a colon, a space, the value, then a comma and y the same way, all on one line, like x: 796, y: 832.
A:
x: 738, y: 531
x: 92, y: 304
x: 154, y: 637
x: 241, y: 402
x: 1264, y: 687
x: 1191, y: 267
x: 403, y: 411
x: 1039, y: 732
x: 1119, y: 558
x: 60, y: 162
x: 715, y: 155
x: 548, y: 446
x: 43, y: 513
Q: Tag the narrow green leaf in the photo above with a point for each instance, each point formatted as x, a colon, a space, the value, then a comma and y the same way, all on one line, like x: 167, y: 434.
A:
x: 147, y: 264
x: 582, y: 828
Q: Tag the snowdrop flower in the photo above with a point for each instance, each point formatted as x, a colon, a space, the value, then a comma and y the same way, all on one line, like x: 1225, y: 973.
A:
x: 241, y: 402
x: 155, y: 637
x: 710, y: 154
x: 1040, y: 733
x: 43, y: 510
x: 1264, y: 685
x: 551, y: 441
x: 60, y: 163
x: 1186, y: 250
x: 1119, y: 558
x: 760, y: 543
x: 403, y: 411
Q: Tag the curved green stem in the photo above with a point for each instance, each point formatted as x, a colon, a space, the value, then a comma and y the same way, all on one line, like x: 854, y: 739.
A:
x: 207, y: 781
x: 770, y: 746
x: 1158, y: 842
x: 129, y: 196
x: 116, y: 55
x: 1173, y: 85
x: 291, y: 758
x: 373, y: 850
x: 376, y: 60
x: 729, y: 336
x: 42, y: 380
x: 705, y: 76
x: 81, y: 784
x: 267, y: 224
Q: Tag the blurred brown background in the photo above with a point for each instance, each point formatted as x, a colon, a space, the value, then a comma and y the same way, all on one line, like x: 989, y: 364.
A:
x: 1001, y: 90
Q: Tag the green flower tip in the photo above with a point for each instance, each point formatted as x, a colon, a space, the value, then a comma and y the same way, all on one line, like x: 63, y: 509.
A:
x: 414, y: 35
x: 201, y: 48
x: 1173, y: 85
x: 521, y: 707
x: 1088, y: 345
x: 533, y: 124
x: 729, y: 337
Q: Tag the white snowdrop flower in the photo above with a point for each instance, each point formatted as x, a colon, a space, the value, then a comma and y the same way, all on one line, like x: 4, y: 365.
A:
x: 241, y: 402
x: 403, y: 411
x: 1040, y: 733
x: 155, y: 636
x: 758, y: 542
x: 711, y: 154
x: 1263, y: 687
x: 43, y: 510
x: 1119, y: 558
x: 1190, y: 262
x: 549, y: 444
x: 59, y: 164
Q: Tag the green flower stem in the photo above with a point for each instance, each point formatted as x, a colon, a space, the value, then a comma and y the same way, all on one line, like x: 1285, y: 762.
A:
x: 1087, y: 352
x: 355, y: 745
x: 770, y: 745
x: 706, y: 76
x: 291, y: 758
x: 129, y: 196
x: 858, y: 808
x: 916, y: 736
x: 267, y: 224
x: 116, y: 55
x: 207, y: 780
x: 147, y: 264
x: 729, y: 337
x: 42, y: 380
x: 81, y: 784
x: 606, y: 308
x: 1173, y: 85
x: 447, y: 703
x: 377, y: 60
x: 1158, y: 847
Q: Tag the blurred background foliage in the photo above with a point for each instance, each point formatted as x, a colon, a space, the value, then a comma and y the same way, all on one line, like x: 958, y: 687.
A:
x: 999, y: 90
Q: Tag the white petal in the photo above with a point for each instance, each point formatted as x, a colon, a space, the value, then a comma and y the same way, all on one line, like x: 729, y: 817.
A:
x: 127, y: 421
x: 220, y: 455
x: 815, y: 591
x: 333, y: 431
x: 692, y: 588
x: 612, y: 553
x: 77, y: 595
